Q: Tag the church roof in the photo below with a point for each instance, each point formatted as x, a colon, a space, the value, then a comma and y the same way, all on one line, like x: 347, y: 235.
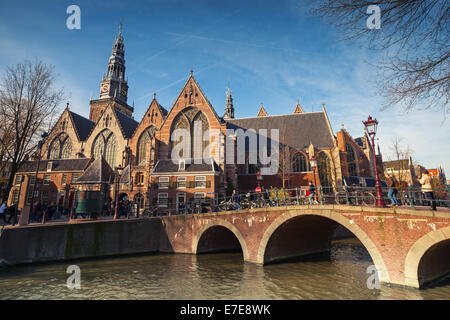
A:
x: 98, y: 171
x: 125, y: 176
x: 82, y: 126
x: 59, y: 165
x: 164, y: 111
x: 296, y: 130
x: 170, y: 166
x: 127, y: 125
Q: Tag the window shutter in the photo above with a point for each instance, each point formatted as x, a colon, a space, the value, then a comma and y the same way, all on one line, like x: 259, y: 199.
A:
x: 208, y: 184
x: 191, y: 184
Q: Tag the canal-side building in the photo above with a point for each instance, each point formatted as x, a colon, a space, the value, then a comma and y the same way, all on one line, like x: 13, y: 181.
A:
x: 150, y: 165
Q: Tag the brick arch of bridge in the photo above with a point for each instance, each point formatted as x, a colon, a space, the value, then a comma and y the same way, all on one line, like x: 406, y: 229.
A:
x: 419, y: 250
x: 337, y: 217
x: 220, y: 223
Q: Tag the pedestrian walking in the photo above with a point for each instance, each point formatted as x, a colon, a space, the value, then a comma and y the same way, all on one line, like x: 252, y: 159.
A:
x: 312, y: 192
x: 427, y: 189
x: 392, y: 191
x: 236, y: 199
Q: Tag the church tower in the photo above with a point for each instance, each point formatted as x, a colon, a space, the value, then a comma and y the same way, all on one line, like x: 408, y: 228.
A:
x: 113, y: 87
x: 229, y: 108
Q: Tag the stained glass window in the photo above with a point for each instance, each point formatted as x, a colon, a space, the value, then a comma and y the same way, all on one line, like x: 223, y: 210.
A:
x: 145, y: 137
x: 105, y: 144
x: 351, y: 160
x: 60, y: 148
x: 299, y: 162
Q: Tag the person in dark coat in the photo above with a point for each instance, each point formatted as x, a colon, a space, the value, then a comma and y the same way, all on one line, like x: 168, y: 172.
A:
x: 392, y: 192
x: 312, y: 192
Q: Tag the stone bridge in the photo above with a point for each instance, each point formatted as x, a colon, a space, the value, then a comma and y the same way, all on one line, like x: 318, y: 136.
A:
x: 408, y: 247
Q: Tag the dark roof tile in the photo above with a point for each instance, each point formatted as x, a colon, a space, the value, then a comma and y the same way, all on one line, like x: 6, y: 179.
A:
x: 98, y: 171
x: 171, y: 166
x: 296, y: 130
x: 82, y: 126
x: 127, y: 125
x: 58, y: 165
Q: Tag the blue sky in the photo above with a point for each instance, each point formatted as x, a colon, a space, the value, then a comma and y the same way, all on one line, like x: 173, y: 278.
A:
x: 269, y: 52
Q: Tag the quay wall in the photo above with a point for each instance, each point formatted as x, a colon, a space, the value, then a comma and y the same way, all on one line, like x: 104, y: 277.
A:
x: 56, y: 242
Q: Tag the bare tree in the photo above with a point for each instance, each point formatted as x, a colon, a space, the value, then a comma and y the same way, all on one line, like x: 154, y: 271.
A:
x: 28, y: 100
x: 414, y: 36
x: 399, y: 160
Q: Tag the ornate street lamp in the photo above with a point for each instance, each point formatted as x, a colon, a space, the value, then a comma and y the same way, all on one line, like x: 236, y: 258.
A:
x: 313, y: 164
x: 40, y: 145
x: 371, y: 128
x: 117, y: 177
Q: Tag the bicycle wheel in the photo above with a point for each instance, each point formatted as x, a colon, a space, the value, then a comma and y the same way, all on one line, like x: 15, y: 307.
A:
x: 368, y: 199
x: 340, y: 197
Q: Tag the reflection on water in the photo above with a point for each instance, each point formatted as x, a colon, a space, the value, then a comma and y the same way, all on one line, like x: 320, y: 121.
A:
x: 210, y: 276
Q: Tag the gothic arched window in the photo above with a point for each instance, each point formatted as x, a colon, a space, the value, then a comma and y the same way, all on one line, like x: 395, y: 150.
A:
x: 60, y: 148
x: 199, y: 126
x: 351, y: 160
x: 145, y: 137
x: 299, y: 163
x: 105, y: 144
x: 324, y: 168
x: 196, y: 125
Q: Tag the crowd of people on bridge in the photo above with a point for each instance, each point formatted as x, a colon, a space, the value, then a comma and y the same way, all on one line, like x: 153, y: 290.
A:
x: 126, y: 208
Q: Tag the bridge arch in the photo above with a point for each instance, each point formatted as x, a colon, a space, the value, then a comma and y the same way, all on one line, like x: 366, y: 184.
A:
x: 426, y: 253
x: 219, y: 225
x: 331, y: 216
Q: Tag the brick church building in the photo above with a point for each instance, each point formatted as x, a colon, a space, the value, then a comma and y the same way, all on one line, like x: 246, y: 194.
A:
x: 111, y: 149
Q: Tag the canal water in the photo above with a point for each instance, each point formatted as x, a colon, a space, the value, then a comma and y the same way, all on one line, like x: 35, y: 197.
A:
x: 343, y: 275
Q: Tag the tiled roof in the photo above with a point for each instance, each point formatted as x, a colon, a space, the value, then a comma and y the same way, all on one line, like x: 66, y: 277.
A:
x: 164, y: 111
x: 58, y: 165
x: 170, y: 166
x: 98, y: 171
x: 125, y: 177
x: 295, y: 130
x: 82, y: 125
x: 127, y: 125
x: 397, y: 164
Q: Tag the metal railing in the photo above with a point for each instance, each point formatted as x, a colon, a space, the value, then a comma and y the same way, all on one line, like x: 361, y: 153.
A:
x: 408, y: 197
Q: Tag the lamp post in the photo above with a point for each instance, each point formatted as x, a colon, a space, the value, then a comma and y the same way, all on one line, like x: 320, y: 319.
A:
x: 371, y: 128
x: 117, y: 174
x: 40, y: 144
x: 313, y: 164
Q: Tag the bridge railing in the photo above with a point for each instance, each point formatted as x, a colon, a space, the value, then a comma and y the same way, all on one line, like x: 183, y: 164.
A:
x: 407, y: 197
x: 343, y: 195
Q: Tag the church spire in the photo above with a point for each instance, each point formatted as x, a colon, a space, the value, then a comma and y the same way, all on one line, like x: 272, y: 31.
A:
x: 115, y: 73
x: 229, y: 108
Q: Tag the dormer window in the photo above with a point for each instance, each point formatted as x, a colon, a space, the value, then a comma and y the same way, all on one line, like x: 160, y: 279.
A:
x: 182, y: 165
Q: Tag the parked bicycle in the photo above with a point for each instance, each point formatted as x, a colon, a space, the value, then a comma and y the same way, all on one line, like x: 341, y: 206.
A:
x: 354, y: 195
